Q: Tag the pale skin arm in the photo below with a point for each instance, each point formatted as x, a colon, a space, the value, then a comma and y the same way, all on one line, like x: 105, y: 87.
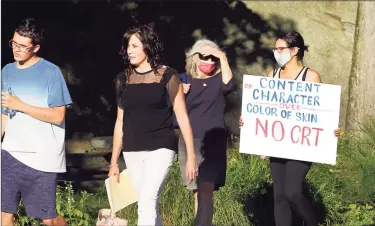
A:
x: 225, y: 68
x: 186, y: 87
x: 54, y: 115
x: 3, y: 124
x: 313, y: 76
x: 270, y: 74
x: 179, y: 108
x: 117, y: 137
x: 117, y: 144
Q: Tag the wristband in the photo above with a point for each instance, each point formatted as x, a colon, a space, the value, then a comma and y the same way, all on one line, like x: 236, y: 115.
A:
x: 110, y: 166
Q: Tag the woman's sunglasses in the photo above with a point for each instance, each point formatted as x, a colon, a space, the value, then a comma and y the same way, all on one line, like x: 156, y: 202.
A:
x: 206, y: 57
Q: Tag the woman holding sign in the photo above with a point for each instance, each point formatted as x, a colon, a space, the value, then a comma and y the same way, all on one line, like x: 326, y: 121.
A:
x: 209, y: 79
x: 148, y: 94
x: 288, y: 175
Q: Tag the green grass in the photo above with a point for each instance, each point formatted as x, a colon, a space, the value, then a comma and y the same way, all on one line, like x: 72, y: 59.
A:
x: 245, y: 177
x: 350, y: 182
x: 342, y: 194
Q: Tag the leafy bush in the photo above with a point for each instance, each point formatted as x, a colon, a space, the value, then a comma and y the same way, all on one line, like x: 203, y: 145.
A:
x: 360, y: 215
x: 72, y: 207
x: 342, y: 194
x: 351, y: 181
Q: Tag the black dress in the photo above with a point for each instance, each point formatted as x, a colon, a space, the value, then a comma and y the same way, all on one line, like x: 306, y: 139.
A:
x: 205, y: 103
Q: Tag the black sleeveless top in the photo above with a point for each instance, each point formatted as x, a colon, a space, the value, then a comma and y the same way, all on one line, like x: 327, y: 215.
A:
x: 303, y: 72
x: 147, y: 101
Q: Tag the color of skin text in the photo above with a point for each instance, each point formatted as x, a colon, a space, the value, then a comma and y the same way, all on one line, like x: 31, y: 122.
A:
x: 280, y: 102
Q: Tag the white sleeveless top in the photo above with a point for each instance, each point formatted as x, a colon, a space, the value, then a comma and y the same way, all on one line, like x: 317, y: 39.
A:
x: 300, y: 77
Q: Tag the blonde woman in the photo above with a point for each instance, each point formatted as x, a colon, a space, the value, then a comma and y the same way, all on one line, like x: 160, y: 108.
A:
x: 209, y: 81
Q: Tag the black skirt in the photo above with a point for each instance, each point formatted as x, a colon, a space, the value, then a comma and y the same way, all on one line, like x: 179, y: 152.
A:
x: 211, y: 156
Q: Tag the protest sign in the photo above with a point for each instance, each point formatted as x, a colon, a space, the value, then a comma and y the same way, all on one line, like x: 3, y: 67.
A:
x: 290, y: 119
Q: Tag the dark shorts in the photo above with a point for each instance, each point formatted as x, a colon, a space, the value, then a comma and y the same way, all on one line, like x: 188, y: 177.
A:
x: 35, y: 188
x: 211, y: 158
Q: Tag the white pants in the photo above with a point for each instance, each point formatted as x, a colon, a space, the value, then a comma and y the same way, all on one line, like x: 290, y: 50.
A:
x: 147, y: 171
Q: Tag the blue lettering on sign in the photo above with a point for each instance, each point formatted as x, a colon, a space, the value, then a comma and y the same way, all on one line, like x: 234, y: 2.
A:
x: 261, y: 109
x: 307, y: 117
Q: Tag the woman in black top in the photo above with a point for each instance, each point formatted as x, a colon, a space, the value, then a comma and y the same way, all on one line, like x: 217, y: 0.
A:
x: 148, y: 93
x: 209, y: 81
x: 288, y: 175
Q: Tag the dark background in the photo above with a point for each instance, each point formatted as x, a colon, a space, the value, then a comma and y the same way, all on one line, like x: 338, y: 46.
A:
x: 84, y: 38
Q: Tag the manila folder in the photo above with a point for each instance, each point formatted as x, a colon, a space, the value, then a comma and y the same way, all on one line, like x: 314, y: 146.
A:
x: 120, y: 195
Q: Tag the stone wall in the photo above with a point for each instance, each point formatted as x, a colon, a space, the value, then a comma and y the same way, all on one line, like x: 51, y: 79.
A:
x: 329, y: 28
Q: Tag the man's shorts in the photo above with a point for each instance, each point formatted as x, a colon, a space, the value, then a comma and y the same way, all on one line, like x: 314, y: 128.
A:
x: 35, y: 188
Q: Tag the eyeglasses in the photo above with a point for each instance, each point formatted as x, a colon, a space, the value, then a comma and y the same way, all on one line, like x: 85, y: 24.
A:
x: 280, y: 49
x: 22, y: 48
x: 206, y: 57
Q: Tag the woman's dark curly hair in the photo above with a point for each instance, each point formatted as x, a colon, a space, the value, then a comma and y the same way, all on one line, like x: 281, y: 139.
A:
x: 152, y: 47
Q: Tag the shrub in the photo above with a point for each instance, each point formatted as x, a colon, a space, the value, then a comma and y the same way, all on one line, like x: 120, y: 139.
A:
x: 342, y: 194
x: 68, y: 204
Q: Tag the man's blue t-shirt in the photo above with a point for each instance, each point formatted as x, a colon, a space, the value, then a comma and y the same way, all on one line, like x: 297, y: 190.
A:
x: 35, y: 143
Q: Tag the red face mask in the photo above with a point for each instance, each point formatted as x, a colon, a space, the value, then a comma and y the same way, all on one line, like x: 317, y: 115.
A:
x: 206, y: 68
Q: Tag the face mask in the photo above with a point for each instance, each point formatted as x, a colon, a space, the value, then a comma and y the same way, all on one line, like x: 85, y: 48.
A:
x: 282, y: 58
x: 206, y: 68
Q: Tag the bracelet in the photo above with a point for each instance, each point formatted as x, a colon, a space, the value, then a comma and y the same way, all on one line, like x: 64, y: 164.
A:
x: 110, y: 166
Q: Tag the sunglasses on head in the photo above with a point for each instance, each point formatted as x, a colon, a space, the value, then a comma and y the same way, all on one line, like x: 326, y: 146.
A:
x: 206, y: 57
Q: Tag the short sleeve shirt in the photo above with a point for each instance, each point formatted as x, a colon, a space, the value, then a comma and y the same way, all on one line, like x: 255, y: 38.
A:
x: 147, y: 101
x: 37, y: 144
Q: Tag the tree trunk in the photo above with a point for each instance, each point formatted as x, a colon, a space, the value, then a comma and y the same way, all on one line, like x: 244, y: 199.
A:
x: 362, y: 79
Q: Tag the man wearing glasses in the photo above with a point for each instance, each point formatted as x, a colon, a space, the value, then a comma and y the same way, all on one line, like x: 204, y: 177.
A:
x: 34, y: 99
